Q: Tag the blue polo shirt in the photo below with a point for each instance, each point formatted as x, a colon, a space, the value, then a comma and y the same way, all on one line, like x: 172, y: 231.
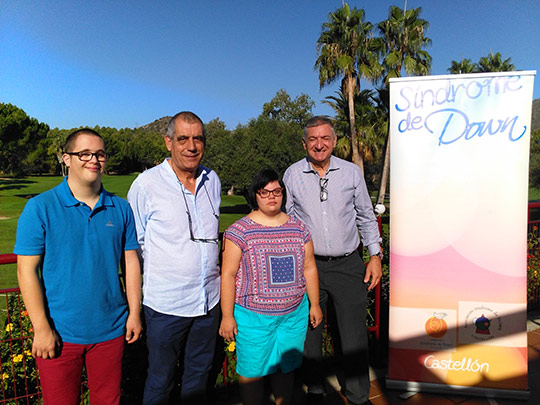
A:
x: 81, y: 251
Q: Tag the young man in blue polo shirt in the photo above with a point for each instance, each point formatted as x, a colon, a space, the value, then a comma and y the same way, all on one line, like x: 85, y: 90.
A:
x: 70, y: 241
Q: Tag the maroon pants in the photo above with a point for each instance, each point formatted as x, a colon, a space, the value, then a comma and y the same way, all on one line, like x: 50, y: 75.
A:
x: 61, y: 377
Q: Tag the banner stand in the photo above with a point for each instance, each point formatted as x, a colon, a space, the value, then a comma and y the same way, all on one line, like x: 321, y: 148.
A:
x: 412, y: 386
x: 459, y: 148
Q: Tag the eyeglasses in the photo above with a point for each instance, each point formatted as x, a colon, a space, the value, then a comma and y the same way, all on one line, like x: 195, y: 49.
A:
x: 324, y: 191
x: 190, y: 224
x: 87, y: 156
x: 264, y: 193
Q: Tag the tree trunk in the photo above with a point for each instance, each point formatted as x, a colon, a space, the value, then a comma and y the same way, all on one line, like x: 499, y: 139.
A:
x: 356, y: 157
x: 59, y: 154
x: 386, y: 169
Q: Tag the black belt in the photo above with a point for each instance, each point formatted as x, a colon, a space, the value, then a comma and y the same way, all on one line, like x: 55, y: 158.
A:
x: 332, y: 258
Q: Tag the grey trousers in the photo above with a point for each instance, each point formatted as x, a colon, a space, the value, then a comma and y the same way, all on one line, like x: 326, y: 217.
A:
x: 342, y: 280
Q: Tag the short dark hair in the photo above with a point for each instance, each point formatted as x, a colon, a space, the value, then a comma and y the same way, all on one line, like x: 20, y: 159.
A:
x: 186, y: 116
x: 261, y: 179
x: 319, y: 120
x: 70, y: 140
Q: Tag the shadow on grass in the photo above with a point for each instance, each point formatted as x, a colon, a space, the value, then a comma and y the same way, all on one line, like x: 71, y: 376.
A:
x: 27, y: 196
x: 236, y: 209
x: 14, y: 184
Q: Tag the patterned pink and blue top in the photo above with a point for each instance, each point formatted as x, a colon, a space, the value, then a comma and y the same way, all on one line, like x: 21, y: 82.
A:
x: 270, y: 280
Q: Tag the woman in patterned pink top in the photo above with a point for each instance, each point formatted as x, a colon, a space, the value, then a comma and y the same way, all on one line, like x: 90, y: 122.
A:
x: 267, y: 268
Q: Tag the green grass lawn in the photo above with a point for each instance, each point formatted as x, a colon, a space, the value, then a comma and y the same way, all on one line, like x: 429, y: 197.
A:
x: 534, y: 194
x: 14, y: 193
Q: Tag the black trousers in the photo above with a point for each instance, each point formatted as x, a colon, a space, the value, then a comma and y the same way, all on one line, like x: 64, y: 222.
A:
x: 342, y: 280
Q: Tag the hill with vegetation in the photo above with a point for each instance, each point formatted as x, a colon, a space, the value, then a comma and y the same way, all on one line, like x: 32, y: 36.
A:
x: 159, y: 125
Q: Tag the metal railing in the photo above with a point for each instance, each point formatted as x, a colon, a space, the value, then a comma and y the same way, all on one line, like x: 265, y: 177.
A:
x: 533, y: 255
x: 19, y: 377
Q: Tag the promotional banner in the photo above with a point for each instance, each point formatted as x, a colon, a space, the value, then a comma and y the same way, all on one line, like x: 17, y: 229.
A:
x: 458, y: 221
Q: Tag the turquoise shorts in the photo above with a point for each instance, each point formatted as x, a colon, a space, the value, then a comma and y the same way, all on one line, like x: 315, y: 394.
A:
x: 268, y: 343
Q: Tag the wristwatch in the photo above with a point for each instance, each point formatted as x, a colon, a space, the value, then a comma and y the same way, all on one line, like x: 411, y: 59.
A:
x: 379, y: 255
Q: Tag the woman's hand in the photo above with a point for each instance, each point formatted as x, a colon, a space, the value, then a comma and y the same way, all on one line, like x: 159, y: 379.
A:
x: 315, y: 315
x: 228, y: 329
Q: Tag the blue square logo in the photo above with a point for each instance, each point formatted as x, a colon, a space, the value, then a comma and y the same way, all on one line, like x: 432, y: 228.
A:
x: 282, y: 270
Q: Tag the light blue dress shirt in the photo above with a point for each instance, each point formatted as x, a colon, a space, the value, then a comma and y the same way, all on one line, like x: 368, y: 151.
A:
x: 181, y: 276
x: 335, y: 222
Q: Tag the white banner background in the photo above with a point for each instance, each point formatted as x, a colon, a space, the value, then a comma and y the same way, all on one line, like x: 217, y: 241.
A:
x: 458, y: 212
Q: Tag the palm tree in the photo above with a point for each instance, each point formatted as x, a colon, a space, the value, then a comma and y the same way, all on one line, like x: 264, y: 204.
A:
x: 368, y: 122
x: 403, y: 37
x: 345, y: 49
x: 463, y: 66
x: 494, y: 63
x: 401, y: 42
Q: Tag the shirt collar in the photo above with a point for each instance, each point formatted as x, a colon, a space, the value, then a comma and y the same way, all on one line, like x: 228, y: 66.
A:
x: 334, y: 165
x: 202, y: 175
x: 105, y: 198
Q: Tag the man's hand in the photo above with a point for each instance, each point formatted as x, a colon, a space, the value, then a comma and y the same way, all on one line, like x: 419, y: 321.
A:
x: 133, y: 328
x: 46, y: 343
x: 373, y: 272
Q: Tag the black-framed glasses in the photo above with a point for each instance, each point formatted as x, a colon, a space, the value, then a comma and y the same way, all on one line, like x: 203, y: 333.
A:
x: 190, y: 223
x: 87, y: 156
x: 323, y: 182
x: 264, y: 193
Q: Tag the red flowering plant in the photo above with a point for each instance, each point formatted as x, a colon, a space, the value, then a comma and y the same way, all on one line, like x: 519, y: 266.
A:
x: 19, y: 381
x: 228, y: 373
x: 18, y: 373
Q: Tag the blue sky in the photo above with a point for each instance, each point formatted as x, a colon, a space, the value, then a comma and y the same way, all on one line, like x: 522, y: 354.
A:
x: 127, y: 63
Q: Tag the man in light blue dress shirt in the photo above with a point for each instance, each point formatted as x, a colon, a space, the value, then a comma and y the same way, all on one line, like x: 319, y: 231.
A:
x: 176, y: 208
x: 330, y: 196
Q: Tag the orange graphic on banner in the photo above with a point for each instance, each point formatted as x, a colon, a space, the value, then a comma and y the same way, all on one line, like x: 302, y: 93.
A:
x: 436, y: 326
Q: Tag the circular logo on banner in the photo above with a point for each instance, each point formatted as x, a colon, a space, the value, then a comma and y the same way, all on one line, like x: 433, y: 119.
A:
x: 481, y: 322
x: 436, y: 326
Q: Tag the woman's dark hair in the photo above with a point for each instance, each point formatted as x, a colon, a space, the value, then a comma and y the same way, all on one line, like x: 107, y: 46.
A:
x: 261, y: 179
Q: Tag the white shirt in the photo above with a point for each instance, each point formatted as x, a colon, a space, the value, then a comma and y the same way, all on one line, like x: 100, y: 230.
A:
x: 181, y: 276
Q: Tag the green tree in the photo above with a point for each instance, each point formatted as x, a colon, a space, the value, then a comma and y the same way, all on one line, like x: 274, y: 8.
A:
x: 369, y: 122
x: 56, y: 139
x: 19, y: 135
x: 345, y: 49
x: 262, y: 143
x: 494, y: 63
x: 534, y: 162
x: 463, y: 66
x: 403, y: 37
x: 268, y: 143
x: 273, y: 139
x: 402, y: 42
x: 490, y: 63
x: 147, y: 149
x: 37, y: 161
x: 118, y: 143
x: 284, y: 109
x: 220, y: 144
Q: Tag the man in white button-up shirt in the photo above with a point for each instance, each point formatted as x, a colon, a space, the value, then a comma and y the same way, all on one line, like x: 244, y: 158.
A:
x: 176, y: 208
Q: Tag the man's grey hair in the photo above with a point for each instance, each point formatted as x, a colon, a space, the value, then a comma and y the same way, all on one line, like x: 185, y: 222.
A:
x: 186, y: 116
x: 318, y: 120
